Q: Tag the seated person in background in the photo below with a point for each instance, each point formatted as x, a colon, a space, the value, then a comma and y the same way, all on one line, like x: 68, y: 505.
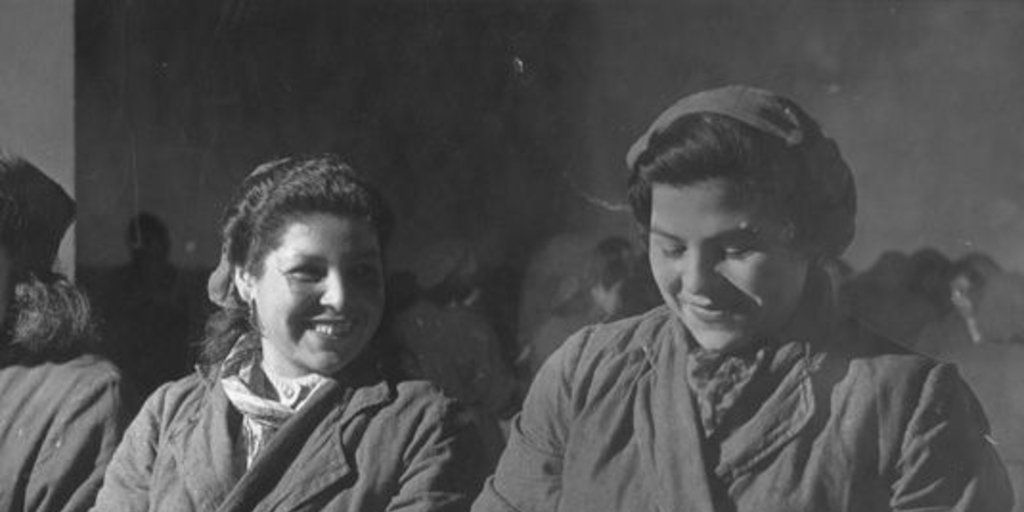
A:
x: 929, y: 279
x: 63, y: 411
x: 745, y: 391
x: 983, y: 297
x: 444, y: 338
x: 597, y: 293
x: 289, y: 410
x: 552, y: 262
x: 887, y: 299
x: 146, y: 309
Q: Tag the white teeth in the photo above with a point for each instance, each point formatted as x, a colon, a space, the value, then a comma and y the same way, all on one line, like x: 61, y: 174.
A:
x: 333, y: 328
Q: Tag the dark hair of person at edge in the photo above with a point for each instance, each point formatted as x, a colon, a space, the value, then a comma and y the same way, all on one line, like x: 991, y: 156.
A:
x: 269, y: 198
x: 64, y: 408
x: 46, y: 316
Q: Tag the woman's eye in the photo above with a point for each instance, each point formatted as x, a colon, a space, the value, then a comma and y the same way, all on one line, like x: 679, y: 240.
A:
x: 739, y: 250
x: 305, y: 275
x: 672, y: 251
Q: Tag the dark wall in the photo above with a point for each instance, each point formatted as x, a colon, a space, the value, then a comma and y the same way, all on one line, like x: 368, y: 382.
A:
x: 463, y: 113
x: 926, y: 100
x: 506, y: 124
x: 37, y: 91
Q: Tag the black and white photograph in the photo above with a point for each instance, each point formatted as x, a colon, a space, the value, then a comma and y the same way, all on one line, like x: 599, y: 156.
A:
x: 488, y: 256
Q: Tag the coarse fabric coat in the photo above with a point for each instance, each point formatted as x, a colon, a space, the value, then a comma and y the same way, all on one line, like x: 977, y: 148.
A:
x: 367, y: 446
x: 857, y: 424
x: 59, y: 426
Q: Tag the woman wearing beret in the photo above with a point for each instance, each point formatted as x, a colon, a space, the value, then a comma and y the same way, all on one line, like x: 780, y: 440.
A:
x: 746, y: 390
x: 61, y: 409
x: 290, y: 411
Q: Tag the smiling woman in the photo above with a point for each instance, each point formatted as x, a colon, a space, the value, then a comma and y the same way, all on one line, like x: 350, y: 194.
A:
x: 319, y: 296
x: 290, y: 407
x: 747, y: 390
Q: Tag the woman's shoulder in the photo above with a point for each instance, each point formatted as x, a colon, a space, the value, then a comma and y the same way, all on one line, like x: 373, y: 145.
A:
x: 865, y: 347
x: 403, y: 408
x: 418, y: 395
x: 61, y: 377
x: 626, y: 341
x: 171, y: 398
x: 602, y: 356
x: 887, y: 368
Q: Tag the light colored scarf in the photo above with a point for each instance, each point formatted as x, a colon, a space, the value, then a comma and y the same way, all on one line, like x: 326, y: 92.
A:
x: 265, y: 400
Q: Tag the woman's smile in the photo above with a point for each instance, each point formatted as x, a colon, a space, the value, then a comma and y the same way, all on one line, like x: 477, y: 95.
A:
x: 339, y: 328
x: 321, y: 294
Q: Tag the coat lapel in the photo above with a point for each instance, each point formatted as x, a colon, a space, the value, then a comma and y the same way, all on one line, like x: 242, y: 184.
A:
x: 792, y: 405
x: 780, y: 419
x: 666, y: 428
x: 204, y: 448
x: 304, y: 458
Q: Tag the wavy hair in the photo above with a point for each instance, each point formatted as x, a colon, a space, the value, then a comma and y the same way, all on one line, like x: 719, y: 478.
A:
x: 47, y: 317
x: 265, y: 203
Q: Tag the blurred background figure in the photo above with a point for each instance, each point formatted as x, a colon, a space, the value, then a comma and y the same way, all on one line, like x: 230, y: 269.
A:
x: 63, y: 408
x: 556, y: 259
x: 607, y: 286
x: 970, y: 280
x: 145, y: 305
x: 896, y: 296
x: 444, y: 337
x: 982, y: 333
x: 930, y: 270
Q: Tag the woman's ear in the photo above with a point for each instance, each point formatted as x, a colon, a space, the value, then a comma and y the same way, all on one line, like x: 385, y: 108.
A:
x: 243, y: 283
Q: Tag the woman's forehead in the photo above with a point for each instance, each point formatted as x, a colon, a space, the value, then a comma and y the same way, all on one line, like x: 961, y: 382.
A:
x: 709, y: 208
x: 326, y: 232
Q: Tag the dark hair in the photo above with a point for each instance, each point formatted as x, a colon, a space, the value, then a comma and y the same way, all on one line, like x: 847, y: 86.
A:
x: 929, y: 276
x: 608, y: 263
x: 611, y: 262
x: 267, y: 200
x: 47, y: 317
x: 703, y: 146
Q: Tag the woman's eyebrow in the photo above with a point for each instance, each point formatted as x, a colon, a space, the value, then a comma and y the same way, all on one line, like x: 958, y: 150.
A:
x: 655, y: 230
x: 742, y: 230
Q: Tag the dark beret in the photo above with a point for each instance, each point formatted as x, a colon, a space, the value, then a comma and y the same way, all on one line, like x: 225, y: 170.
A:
x: 825, y: 175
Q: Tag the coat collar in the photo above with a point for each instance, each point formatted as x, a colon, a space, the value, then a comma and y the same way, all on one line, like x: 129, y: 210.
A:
x: 206, y: 448
x: 672, y: 447
x: 665, y: 423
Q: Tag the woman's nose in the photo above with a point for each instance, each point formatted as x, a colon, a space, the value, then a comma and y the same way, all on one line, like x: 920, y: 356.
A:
x: 698, y: 272
x: 334, y: 292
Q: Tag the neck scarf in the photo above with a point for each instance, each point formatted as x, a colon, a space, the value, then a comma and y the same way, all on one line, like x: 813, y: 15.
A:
x: 265, y: 400
x: 730, y: 387
x: 719, y: 380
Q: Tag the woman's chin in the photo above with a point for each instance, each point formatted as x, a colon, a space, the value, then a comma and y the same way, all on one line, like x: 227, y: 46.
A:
x: 720, y: 340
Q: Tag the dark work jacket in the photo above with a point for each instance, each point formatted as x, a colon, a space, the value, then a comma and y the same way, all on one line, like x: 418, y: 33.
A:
x: 857, y: 424
x: 370, y: 447
x: 59, y: 425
